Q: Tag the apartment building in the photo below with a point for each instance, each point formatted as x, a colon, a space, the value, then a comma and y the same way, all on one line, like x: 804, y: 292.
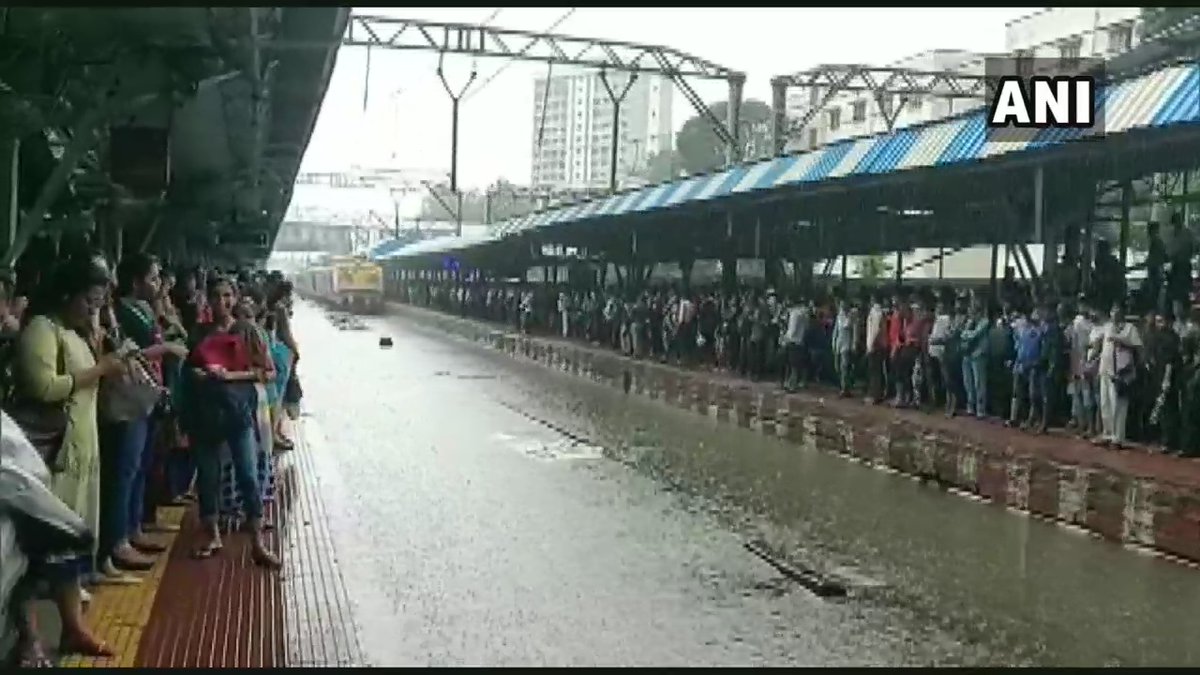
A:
x: 572, y: 128
x: 1073, y: 32
x: 856, y: 113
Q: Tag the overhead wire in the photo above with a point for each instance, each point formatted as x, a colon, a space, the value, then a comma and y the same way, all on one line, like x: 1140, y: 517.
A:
x: 542, y: 107
x: 367, y: 75
x: 524, y: 50
x: 491, y: 17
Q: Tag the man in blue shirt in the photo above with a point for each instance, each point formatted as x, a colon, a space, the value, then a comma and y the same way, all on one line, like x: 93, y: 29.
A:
x: 1027, y: 341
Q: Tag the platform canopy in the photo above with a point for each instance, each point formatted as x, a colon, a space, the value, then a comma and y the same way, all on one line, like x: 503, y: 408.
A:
x: 1157, y: 104
x: 181, y: 128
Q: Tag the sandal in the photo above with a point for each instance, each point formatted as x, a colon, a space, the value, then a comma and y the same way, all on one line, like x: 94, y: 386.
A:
x: 265, y: 558
x: 208, y: 550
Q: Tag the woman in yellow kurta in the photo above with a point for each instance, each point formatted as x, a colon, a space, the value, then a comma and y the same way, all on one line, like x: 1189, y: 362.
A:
x: 43, y: 374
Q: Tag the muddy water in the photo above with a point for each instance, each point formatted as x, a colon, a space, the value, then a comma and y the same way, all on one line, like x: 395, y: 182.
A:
x: 494, y: 512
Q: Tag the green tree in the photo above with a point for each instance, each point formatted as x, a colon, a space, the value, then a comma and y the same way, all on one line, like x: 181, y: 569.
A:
x: 1157, y: 19
x: 872, y: 267
x: 497, y: 203
x: 662, y: 167
x: 701, y: 150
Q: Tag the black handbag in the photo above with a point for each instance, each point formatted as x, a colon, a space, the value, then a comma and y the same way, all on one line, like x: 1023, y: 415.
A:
x: 1123, y: 378
x: 44, y: 423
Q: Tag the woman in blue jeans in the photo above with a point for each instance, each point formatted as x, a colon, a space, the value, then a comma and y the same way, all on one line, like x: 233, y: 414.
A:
x: 221, y: 410
x: 127, y: 446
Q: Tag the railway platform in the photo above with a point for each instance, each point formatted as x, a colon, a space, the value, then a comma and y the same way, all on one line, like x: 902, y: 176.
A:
x: 1137, y: 498
x: 225, y: 612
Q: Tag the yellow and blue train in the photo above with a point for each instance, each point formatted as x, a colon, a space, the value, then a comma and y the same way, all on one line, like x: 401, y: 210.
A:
x: 349, y: 283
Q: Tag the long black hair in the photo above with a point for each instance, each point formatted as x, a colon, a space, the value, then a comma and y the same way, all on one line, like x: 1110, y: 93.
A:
x: 133, y: 268
x: 67, y: 280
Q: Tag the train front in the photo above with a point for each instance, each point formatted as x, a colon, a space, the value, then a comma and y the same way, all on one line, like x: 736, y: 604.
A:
x: 358, y: 287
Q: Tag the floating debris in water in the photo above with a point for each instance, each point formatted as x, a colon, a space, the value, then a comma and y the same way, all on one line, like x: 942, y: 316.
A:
x: 385, y: 341
x: 812, y: 580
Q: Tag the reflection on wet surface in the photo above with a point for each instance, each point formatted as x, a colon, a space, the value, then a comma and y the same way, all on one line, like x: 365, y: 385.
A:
x: 497, y: 513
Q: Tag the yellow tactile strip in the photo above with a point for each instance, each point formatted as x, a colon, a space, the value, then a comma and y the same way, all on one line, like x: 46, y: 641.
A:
x: 119, y: 614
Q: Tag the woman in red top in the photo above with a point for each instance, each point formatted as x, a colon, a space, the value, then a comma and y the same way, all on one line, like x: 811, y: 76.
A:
x: 916, y: 335
x: 220, y: 410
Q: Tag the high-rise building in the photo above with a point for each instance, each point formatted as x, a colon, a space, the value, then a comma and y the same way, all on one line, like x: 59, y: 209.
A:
x: 572, y: 128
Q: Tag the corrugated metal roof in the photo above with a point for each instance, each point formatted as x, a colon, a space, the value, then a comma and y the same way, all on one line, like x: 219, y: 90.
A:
x: 752, y: 179
x: 931, y: 145
x: 1167, y: 97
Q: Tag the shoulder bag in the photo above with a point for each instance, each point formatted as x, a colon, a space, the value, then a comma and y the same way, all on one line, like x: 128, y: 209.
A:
x: 1123, y: 377
x: 44, y: 423
x: 130, y: 395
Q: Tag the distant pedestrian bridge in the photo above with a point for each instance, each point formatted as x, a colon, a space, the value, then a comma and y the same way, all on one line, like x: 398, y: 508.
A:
x: 341, y: 238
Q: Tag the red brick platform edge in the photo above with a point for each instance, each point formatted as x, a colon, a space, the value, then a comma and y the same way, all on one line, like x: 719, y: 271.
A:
x: 1142, y: 500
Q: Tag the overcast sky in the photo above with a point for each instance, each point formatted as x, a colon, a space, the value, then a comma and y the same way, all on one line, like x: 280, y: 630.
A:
x: 411, y: 129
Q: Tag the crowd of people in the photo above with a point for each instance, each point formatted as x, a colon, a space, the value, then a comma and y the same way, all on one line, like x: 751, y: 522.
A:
x: 1087, y: 365
x: 139, y: 388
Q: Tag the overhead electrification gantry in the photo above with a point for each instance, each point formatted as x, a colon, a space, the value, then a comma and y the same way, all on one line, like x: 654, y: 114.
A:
x: 604, y: 56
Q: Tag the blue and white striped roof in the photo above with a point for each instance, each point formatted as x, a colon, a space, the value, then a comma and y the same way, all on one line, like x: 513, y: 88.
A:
x: 444, y: 244
x: 1164, y: 98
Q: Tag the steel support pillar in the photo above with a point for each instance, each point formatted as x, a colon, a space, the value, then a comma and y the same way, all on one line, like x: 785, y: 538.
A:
x: 10, y: 183
x: 778, y: 116
x: 31, y: 223
x: 734, y: 114
x: 455, y: 99
x: 1123, y: 237
x: 1046, y: 233
x: 729, y: 257
x: 616, y: 100
x: 1187, y: 224
x: 992, y: 272
x: 82, y: 140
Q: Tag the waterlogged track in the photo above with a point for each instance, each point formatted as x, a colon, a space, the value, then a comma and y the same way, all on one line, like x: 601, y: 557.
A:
x: 492, y: 512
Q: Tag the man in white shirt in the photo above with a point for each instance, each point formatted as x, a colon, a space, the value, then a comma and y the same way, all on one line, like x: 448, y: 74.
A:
x: 843, y: 347
x: 1082, y: 382
x: 685, y: 328
x: 564, y: 314
x: 793, y: 341
x: 877, y: 351
x: 1118, y: 348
